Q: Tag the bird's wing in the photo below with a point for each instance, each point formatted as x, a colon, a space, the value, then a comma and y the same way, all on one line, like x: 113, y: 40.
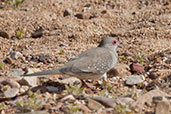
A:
x: 94, y: 61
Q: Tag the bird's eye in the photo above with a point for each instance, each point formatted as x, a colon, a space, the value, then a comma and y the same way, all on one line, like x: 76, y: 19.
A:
x: 114, y: 42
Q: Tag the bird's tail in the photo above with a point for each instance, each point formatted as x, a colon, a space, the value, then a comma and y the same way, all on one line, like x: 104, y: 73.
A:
x: 46, y: 72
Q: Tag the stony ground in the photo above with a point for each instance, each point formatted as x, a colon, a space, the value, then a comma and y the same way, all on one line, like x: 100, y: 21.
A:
x: 42, y: 34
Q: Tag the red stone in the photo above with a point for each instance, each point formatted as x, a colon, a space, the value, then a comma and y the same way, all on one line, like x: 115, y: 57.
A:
x: 137, y: 68
x: 83, y: 15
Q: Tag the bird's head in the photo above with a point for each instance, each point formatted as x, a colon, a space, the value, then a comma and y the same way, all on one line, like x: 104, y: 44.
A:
x: 109, y: 42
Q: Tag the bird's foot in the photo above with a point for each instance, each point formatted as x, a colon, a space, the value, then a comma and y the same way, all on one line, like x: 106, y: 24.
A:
x: 105, y: 81
x: 88, y: 85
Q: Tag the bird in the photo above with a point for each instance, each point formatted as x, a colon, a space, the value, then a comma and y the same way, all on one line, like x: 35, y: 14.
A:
x: 91, y: 64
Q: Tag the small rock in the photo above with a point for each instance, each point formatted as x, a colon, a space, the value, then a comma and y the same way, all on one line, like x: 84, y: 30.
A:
x: 23, y: 89
x: 67, y: 12
x: 2, y: 6
x: 47, y: 106
x: 153, y: 75
x: 42, y: 89
x: 163, y: 107
x: 104, y: 11
x: 147, y: 98
x: 12, y: 83
x: 168, y: 60
x: 83, y: 15
x: 70, y: 97
x: 70, y: 80
x: 124, y: 101
x: 87, y: 5
x: 11, y: 92
x: 15, y: 78
x: 137, y: 68
x: 61, y: 60
x: 126, y: 54
x: 132, y: 80
x: 110, y: 102
x: 30, y: 81
x: 7, y: 60
x: 94, y: 105
x: 52, y: 89
x: 119, y: 70
x: 40, y: 58
x: 15, y: 55
x: 4, y: 34
x: 38, y: 33
x: 16, y: 72
x: 84, y: 108
x: 157, y: 99
x: 28, y: 70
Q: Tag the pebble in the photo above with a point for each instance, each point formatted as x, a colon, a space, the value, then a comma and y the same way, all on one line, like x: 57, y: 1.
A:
x: 67, y: 12
x: 69, y: 97
x: 38, y: 33
x: 163, y: 107
x: 153, y: 75
x: 110, y: 102
x: 107, y: 102
x: 12, y: 83
x: 23, y: 89
x: 4, y: 34
x: 7, y: 60
x: 120, y: 70
x: 40, y: 58
x: 124, y: 101
x: 15, y: 55
x: 29, y: 81
x: 148, y: 98
x: 84, y: 108
x: 83, y: 15
x: 87, y: 5
x: 168, y: 60
x: 16, y: 72
x: 157, y: 99
x: 137, y: 68
x: 104, y: 12
x: 61, y: 60
x: 132, y: 80
x: 70, y: 80
x: 11, y: 92
x: 52, y: 89
x: 94, y: 105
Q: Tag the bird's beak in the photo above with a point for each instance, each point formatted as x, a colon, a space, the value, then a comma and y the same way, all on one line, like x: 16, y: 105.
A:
x: 119, y: 46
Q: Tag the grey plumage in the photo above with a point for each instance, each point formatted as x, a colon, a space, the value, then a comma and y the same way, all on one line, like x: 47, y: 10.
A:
x: 91, y: 64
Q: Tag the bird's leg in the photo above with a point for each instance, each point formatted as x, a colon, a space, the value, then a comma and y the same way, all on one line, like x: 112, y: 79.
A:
x: 87, y: 85
x: 104, y: 77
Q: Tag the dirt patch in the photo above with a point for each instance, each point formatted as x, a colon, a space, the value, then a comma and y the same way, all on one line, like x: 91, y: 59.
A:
x: 142, y: 27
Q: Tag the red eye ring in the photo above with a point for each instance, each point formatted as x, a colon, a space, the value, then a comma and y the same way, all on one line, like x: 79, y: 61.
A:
x: 114, y: 42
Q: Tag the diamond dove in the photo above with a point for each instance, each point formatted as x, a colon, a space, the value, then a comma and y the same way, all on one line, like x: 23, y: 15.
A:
x: 91, y: 64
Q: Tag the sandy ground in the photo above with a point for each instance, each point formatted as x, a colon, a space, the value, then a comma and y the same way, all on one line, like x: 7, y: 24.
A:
x: 143, y: 27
